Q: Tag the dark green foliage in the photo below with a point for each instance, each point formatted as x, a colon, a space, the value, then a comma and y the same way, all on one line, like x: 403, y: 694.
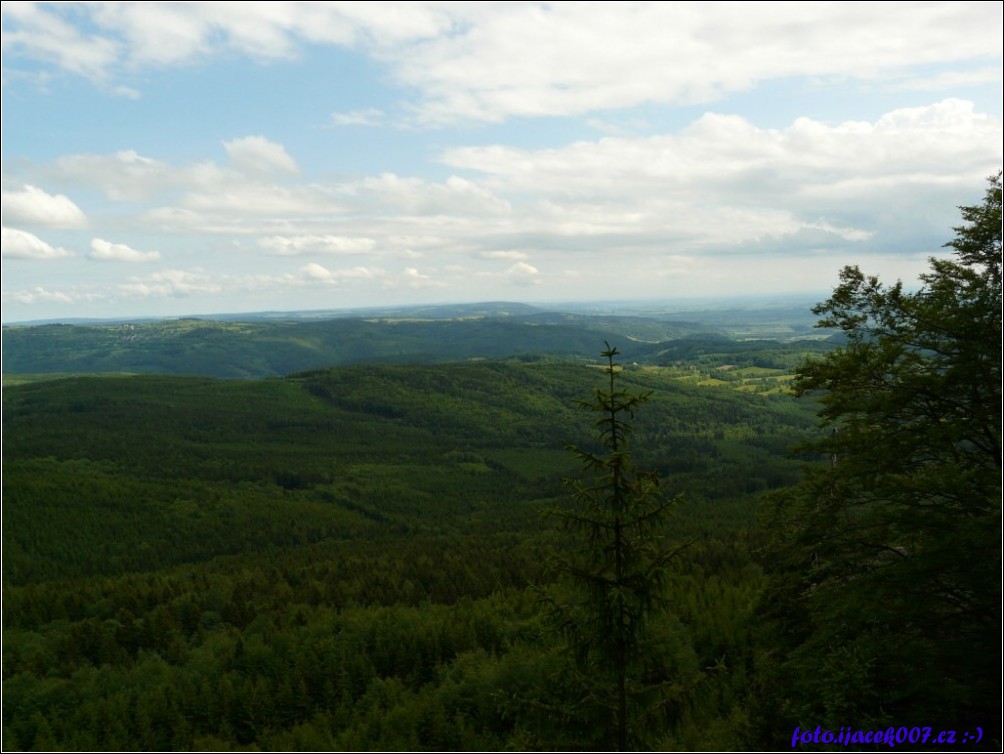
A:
x: 340, y: 559
x: 885, y: 600
x: 977, y: 242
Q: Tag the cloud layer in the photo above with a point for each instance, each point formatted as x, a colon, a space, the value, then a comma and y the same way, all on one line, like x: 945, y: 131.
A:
x: 492, y: 61
x: 487, y: 150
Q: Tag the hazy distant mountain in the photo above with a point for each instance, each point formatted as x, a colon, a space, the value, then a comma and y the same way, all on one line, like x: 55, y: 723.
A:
x: 270, y: 344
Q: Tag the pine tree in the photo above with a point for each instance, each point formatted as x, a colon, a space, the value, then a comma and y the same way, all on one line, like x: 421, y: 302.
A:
x: 609, y: 590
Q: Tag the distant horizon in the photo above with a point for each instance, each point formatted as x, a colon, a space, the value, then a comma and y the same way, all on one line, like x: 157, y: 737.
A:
x: 613, y: 307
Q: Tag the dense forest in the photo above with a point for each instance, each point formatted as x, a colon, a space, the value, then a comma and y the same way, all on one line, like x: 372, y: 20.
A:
x: 700, y: 542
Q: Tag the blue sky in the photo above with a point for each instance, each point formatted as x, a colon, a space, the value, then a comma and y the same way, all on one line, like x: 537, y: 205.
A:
x: 164, y: 159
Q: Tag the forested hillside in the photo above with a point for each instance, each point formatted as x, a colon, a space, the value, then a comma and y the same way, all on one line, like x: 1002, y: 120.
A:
x: 250, y: 349
x: 272, y: 345
x: 344, y: 558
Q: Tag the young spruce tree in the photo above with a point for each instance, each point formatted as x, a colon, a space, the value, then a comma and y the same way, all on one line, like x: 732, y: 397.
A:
x: 610, y: 586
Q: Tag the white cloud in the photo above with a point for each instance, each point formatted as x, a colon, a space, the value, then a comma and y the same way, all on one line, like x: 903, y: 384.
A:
x: 725, y: 181
x: 455, y: 196
x: 318, y: 273
x: 848, y: 234
x: 415, y: 279
x: 720, y: 184
x: 411, y: 242
x: 532, y: 59
x: 124, y: 176
x: 510, y: 254
x: 103, y: 251
x: 130, y: 35
x: 248, y: 208
x: 370, y: 116
x: 492, y: 61
x: 42, y: 35
x: 37, y: 296
x: 164, y: 33
x: 727, y: 151
x: 33, y: 206
x: 329, y: 244
x: 204, y: 195
x: 256, y: 154
x: 522, y: 273
x: 172, y: 283
x: 155, y: 33
x: 19, y: 244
